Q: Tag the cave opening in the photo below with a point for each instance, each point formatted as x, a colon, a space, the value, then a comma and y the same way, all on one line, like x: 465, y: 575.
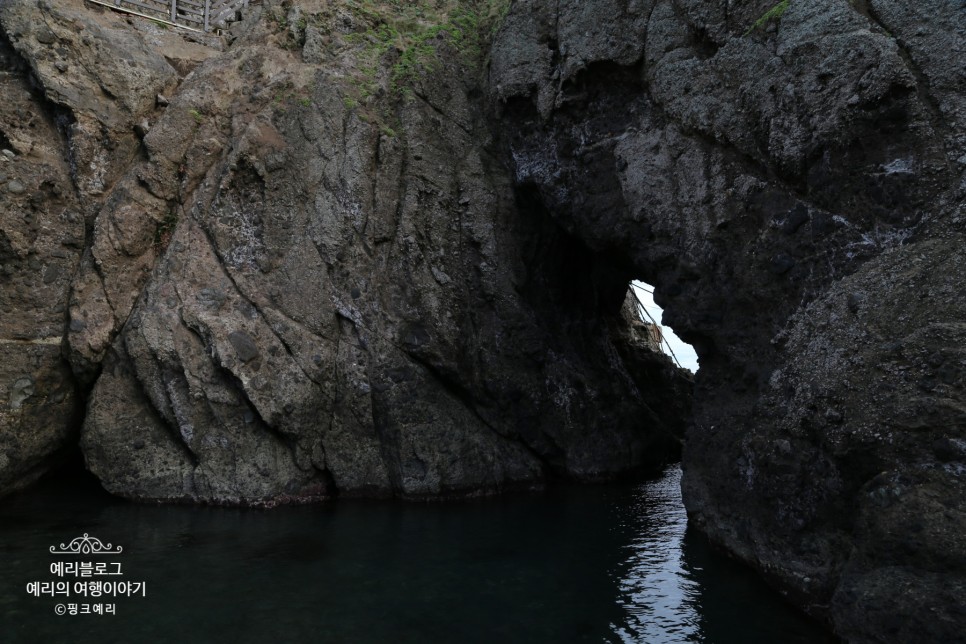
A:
x: 682, y: 353
x: 72, y: 469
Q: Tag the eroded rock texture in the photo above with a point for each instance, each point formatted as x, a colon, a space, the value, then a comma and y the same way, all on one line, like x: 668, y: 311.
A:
x: 74, y: 85
x: 792, y: 181
x: 41, y: 239
x: 329, y: 253
x: 299, y: 267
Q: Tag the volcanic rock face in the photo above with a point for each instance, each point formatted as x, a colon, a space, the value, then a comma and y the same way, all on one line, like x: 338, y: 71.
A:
x: 41, y: 238
x: 305, y: 269
x: 73, y: 88
x: 791, y: 178
x: 297, y: 265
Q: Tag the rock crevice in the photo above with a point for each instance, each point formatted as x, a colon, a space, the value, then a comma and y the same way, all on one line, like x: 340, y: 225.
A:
x: 308, y: 272
x: 361, y: 251
x: 784, y: 178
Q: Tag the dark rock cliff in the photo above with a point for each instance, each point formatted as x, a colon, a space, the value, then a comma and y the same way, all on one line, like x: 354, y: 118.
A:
x: 790, y: 176
x: 349, y: 248
x: 301, y: 268
x: 41, y: 240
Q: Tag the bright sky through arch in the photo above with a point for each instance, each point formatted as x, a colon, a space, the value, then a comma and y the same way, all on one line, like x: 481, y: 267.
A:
x: 682, y: 350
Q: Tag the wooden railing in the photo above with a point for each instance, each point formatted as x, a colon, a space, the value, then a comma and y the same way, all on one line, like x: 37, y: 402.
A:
x: 196, y: 15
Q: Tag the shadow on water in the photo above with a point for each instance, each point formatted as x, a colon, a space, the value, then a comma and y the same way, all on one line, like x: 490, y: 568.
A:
x: 594, y: 564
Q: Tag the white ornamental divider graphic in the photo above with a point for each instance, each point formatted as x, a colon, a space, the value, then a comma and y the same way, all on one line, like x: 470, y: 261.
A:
x: 86, y: 545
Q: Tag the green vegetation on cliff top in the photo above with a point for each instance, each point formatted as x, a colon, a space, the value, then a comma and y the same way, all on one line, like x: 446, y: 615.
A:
x: 414, y: 33
x: 385, y: 49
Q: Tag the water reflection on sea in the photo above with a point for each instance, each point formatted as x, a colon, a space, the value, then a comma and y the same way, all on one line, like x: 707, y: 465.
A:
x: 574, y: 564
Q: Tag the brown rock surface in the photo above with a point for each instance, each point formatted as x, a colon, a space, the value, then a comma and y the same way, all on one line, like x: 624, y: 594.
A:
x: 334, y: 252
x: 305, y: 271
x: 75, y: 84
x: 41, y: 240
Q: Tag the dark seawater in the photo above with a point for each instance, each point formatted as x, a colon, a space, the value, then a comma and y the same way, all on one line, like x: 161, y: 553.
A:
x: 575, y: 564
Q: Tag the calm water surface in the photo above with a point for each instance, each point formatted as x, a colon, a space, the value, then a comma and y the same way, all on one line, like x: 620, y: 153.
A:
x: 577, y: 564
